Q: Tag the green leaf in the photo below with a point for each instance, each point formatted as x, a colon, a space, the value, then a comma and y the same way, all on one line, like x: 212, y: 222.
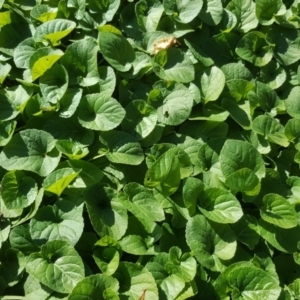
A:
x: 292, y: 104
x: 156, y: 151
x: 34, y: 290
x: 58, y: 180
x: 7, y: 129
x: 157, y: 266
x: 246, y: 231
x: 236, y: 155
x: 172, y: 286
x: 224, y: 43
x: 20, y: 239
x: 191, y: 190
x: 69, y: 102
x: 89, y: 175
x: 5, y: 229
x: 116, y: 50
x: 9, y: 213
x: 140, y: 119
x: 278, y: 211
x: 260, y: 143
x: 154, y: 136
x: 13, y: 263
x: 5, y: 17
x: 57, y: 265
x: 212, y: 82
x: 140, y: 66
x: 266, y: 97
x: 219, y: 206
x: 244, y: 10
x: 80, y: 60
x: 210, y: 242
x: 190, y: 147
x: 285, y: 43
x: 107, y: 259
x: 270, y: 129
x: 100, y: 112
x: 42, y: 60
x: 29, y: 213
x: 68, y: 129
x: 107, y: 214
x: 128, y: 20
x: 54, y: 83
x: 183, y: 265
x: 54, y: 30
x: 174, y: 273
x: 14, y: 33
x: 186, y: 168
x: 19, y: 96
x: 121, y: 148
x: 43, y: 13
x: 109, y: 28
x: 198, y: 52
x: 148, y: 14
x: 23, y: 52
x: 295, y: 287
x: 103, y: 11
x: 254, y: 48
x: 96, y: 287
x: 228, y: 22
x: 8, y: 111
x: 62, y: 221
x: 236, y: 71
x: 282, y: 239
x: 292, y: 131
x: 239, y: 89
x: 243, y: 180
x: 204, y: 130
x: 240, y: 112
x: 18, y: 190
x: 79, y: 6
x: 293, y: 182
x: 212, y: 12
x: 4, y: 71
x: 143, y: 205
x: 134, y: 280
x: 164, y: 174
x: 184, y: 11
x: 266, y: 10
x: 160, y: 139
x: 176, y: 107
x: 173, y: 64
x: 31, y: 150
x: 250, y: 282
x: 107, y: 80
x: 273, y: 75
x: 208, y: 155
x: 135, y: 244
x: 297, y: 157
x: 71, y: 149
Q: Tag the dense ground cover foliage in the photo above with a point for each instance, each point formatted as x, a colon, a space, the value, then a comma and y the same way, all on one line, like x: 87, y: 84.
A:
x: 149, y: 149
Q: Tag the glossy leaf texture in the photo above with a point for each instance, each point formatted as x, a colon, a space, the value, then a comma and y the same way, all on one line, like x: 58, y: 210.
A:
x: 149, y: 149
x: 60, y: 260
